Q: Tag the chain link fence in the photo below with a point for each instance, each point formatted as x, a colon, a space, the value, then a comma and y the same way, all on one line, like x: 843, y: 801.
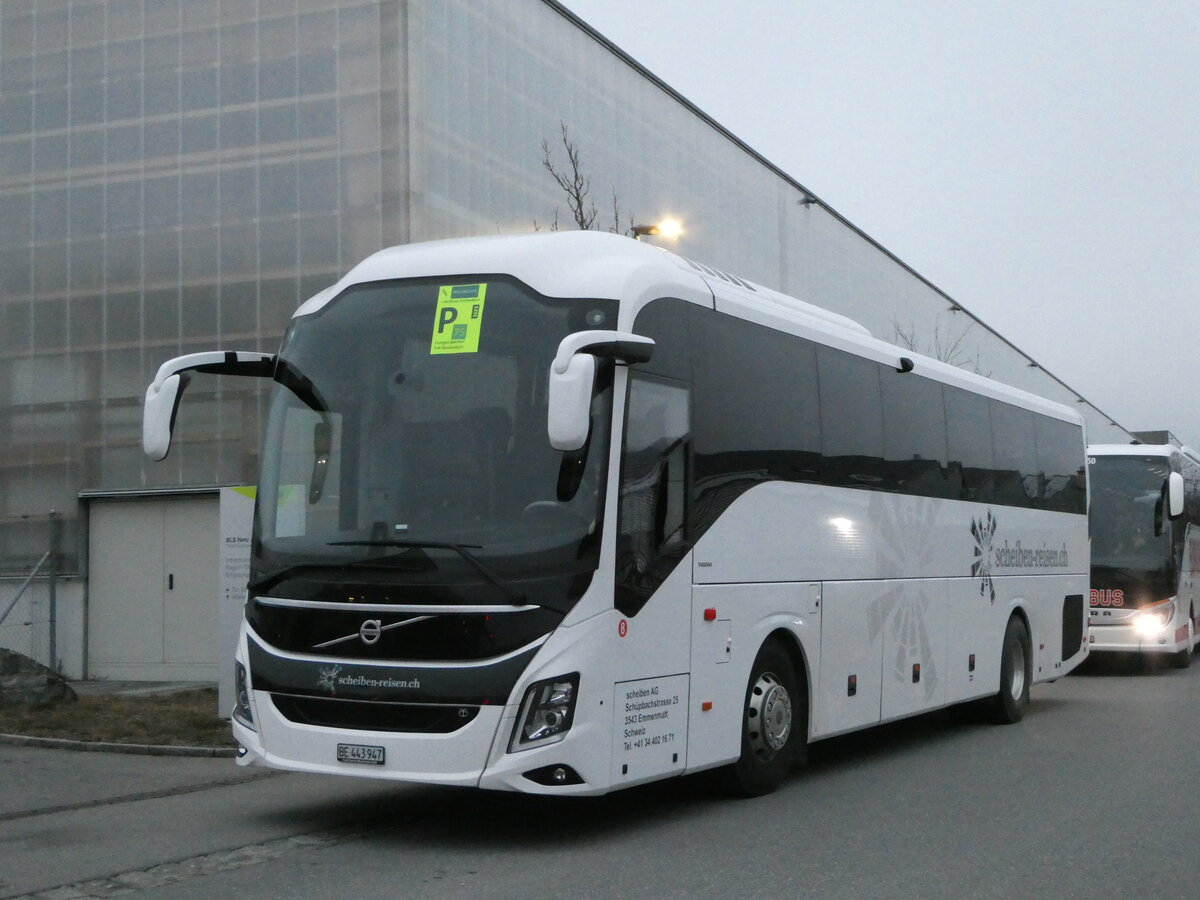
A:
x: 26, y: 630
x: 28, y: 605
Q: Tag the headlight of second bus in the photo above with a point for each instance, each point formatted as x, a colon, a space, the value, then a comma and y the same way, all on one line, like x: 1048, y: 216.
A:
x: 241, y: 693
x: 1150, y: 622
x: 546, y: 712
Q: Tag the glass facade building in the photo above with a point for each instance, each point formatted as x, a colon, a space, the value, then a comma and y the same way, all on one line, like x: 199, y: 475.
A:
x: 179, y: 175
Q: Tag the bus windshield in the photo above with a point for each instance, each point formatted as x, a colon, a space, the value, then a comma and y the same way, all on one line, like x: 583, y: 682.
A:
x: 1126, y: 511
x: 406, y: 444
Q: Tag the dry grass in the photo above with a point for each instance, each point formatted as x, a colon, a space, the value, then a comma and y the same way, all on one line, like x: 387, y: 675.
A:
x: 182, y: 719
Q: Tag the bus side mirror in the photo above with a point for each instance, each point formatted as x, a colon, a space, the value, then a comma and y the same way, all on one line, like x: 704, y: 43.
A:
x: 1175, y: 495
x: 158, y: 417
x: 569, y: 414
x: 162, y: 397
x: 573, y: 376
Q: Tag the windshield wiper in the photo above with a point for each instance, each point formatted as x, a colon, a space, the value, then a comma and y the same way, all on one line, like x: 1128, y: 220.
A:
x: 515, y: 596
x: 270, y: 579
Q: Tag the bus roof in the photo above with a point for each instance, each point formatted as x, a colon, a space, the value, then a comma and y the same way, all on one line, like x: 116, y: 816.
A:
x: 592, y: 264
x: 1164, y: 450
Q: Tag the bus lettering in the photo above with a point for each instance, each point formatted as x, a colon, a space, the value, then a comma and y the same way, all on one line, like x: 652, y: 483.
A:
x: 1103, y: 597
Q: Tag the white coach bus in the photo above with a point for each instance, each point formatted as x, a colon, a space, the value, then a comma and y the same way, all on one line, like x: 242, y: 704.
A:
x: 564, y: 513
x: 1145, y: 523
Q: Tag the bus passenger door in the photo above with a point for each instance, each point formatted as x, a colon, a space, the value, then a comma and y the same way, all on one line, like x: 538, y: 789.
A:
x: 652, y: 517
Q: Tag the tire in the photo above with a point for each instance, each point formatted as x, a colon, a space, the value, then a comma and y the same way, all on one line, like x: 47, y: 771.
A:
x: 1183, y: 658
x: 774, y: 725
x: 1016, y: 672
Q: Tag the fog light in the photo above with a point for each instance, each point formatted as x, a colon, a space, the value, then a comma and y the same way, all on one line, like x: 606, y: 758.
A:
x: 241, y: 688
x: 554, y: 776
x: 546, y: 712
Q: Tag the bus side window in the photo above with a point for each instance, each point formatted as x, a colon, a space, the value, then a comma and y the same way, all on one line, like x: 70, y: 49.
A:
x: 652, y: 514
x: 969, y: 440
x: 1014, y: 448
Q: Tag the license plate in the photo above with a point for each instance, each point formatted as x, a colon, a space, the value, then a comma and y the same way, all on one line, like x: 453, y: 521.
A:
x: 360, y: 753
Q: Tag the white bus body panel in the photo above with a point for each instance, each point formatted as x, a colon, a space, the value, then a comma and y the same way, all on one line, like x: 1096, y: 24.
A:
x: 900, y: 586
x: 609, y: 650
x: 723, y: 652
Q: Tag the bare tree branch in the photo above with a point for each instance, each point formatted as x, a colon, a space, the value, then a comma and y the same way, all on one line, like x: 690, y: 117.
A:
x: 573, y: 182
x: 553, y: 226
x: 906, y: 339
x: 944, y: 346
x: 577, y: 187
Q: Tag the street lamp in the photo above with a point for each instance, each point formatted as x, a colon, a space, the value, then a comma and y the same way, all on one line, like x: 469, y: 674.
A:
x: 668, y: 228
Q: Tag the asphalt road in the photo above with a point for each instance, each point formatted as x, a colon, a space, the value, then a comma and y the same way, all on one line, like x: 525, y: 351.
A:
x: 1093, y: 795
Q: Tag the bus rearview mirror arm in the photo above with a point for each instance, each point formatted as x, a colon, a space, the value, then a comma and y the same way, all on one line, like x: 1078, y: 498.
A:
x: 165, y: 391
x: 573, y: 377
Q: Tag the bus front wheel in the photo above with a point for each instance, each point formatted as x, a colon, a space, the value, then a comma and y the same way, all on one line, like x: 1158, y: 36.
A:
x: 1016, y: 672
x: 774, y: 724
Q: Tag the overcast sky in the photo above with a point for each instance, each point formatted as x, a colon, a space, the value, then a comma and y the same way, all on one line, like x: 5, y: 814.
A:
x: 1038, y: 161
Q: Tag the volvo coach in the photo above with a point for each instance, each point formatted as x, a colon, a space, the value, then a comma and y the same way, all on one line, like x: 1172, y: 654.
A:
x: 565, y: 512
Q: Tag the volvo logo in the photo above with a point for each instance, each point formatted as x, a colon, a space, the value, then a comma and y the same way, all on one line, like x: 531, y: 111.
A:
x: 370, y: 631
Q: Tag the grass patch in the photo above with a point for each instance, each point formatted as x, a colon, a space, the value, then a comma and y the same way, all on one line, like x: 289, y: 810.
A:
x: 181, y: 719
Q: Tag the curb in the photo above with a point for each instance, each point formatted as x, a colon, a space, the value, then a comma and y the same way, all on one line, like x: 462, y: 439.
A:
x: 21, y: 740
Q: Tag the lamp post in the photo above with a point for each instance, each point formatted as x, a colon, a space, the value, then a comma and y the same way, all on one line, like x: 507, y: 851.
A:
x: 668, y: 228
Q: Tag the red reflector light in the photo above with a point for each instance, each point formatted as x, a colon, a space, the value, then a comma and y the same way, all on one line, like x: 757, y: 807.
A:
x: 706, y: 706
x: 710, y: 614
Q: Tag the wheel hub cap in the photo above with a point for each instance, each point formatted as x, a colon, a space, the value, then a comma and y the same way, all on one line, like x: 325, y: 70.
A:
x: 770, y: 716
x: 1018, y: 671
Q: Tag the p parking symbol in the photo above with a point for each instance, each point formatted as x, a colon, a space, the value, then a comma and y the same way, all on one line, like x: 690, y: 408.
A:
x: 458, y: 320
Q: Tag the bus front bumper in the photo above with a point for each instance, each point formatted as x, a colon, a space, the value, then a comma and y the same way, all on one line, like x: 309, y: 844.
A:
x: 1126, y: 639
x: 454, y: 758
x: 473, y: 756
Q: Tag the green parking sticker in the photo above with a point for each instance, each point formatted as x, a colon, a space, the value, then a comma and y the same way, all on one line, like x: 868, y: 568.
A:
x: 458, y: 319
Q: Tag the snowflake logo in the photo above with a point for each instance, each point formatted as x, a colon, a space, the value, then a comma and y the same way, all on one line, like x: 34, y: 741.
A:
x: 328, y: 678
x: 983, y: 530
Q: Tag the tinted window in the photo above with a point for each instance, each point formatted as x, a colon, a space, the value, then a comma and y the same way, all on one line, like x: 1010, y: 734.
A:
x: 969, y: 443
x: 756, y: 410
x: 769, y: 406
x: 914, y: 435
x: 851, y: 419
x: 1060, y: 461
x: 652, y: 518
x: 666, y: 322
x: 1130, y: 549
x: 1191, y: 490
x: 1015, y: 455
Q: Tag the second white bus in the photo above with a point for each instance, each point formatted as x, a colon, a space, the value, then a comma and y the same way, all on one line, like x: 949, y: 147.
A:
x: 1145, y: 523
x: 565, y: 513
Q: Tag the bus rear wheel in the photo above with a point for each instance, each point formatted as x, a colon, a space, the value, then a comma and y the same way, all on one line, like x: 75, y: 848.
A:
x: 1016, y: 672
x: 774, y: 725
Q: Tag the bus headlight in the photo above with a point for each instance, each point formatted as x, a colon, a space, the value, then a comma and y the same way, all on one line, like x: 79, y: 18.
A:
x: 1150, y: 622
x: 546, y: 712
x: 241, y: 695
